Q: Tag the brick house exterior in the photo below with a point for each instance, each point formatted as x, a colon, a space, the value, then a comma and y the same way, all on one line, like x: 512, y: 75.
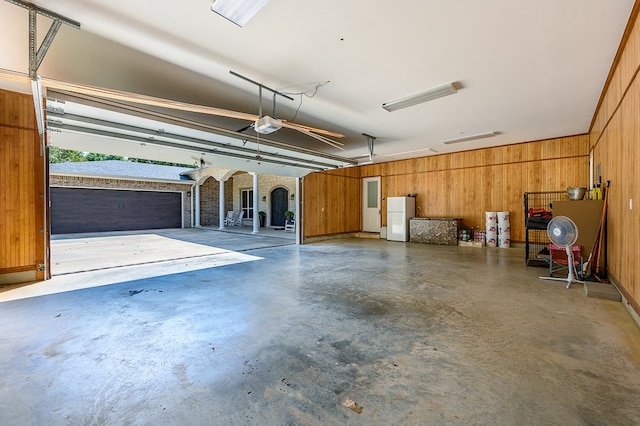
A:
x: 266, y: 185
x: 155, y: 178
x: 210, y: 201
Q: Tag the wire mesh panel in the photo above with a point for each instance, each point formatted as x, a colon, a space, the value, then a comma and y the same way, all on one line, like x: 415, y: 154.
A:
x: 537, y: 253
x: 538, y: 211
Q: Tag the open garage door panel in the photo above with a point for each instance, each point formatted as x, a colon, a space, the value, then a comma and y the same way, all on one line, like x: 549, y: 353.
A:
x: 87, y: 123
x: 75, y: 210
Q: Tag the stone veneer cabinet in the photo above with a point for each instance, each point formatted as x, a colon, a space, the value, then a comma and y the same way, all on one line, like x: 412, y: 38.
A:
x: 434, y: 230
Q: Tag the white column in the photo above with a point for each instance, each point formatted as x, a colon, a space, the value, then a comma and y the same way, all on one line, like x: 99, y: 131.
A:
x: 256, y: 219
x: 221, y: 211
x: 192, y: 195
x: 298, y: 215
x: 197, y: 198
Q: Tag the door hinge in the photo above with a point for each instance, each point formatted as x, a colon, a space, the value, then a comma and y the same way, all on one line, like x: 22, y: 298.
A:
x: 41, y: 267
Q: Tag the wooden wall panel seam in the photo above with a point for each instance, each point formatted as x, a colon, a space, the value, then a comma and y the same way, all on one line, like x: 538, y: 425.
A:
x: 9, y: 126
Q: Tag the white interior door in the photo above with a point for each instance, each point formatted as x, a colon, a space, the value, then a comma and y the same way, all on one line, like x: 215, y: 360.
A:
x: 371, y: 204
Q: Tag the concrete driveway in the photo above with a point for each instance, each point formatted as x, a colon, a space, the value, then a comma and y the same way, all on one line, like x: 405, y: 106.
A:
x: 73, y: 253
x: 82, y: 261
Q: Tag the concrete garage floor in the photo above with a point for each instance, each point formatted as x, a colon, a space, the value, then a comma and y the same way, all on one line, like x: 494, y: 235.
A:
x: 413, y: 334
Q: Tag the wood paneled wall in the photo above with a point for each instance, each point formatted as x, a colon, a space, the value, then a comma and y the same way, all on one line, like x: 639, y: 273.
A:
x: 464, y: 184
x: 22, y: 189
x: 332, y: 203
x: 615, y: 141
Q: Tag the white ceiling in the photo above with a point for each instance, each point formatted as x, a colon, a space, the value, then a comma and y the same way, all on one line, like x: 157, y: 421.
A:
x: 529, y: 70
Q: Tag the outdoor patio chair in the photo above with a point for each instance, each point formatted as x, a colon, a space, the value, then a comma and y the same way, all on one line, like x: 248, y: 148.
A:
x: 238, y: 221
x: 228, y: 221
x: 290, y: 224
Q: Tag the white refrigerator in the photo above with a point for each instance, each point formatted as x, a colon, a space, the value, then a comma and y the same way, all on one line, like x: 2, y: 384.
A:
x: 399, y: 211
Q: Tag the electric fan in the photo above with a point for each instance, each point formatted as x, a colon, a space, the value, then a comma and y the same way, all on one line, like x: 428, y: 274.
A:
x: 562, y: 231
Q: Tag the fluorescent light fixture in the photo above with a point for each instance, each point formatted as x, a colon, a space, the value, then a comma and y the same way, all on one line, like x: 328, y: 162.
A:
x: 238, y: 11
x: 469, y: 137
x: 412, y: 152
x: 418, y: 98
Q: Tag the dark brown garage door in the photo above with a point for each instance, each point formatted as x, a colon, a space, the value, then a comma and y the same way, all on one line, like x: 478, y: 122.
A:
x: 97, y: 210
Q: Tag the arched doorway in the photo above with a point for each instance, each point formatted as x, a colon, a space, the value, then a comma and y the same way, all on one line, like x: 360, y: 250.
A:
x: 279, y: 205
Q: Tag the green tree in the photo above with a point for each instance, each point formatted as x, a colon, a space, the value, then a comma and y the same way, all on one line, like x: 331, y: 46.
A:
x: 92, y: 156
x: 57, y: 155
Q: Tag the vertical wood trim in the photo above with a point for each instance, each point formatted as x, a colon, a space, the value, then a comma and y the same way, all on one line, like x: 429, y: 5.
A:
x: 47, y: 215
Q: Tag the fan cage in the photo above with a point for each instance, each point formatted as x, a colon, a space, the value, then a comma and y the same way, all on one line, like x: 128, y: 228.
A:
x: 568, y: 232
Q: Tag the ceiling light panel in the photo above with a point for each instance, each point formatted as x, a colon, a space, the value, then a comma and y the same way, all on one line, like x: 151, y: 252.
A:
x: 418, y: 98
x: 238, y: 11
x: 412, y: 153
x: 469, y: 137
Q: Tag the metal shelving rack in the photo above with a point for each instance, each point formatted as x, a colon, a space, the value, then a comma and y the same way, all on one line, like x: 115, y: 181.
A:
x: 536, y: 240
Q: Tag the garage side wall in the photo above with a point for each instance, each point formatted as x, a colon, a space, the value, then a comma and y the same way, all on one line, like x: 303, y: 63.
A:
x: 615, y: 144
x: 23, y: 231
x: 332, y: 202
x: 462, y: 184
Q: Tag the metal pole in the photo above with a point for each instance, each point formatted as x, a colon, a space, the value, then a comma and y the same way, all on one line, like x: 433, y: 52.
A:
x: 33, y: 40
x: 260, y: 85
